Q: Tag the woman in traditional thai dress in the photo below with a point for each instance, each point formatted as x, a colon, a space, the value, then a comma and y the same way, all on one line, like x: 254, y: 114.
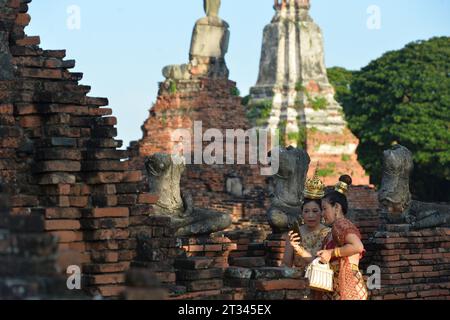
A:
x: 343, y: 248
x: 312, y: 231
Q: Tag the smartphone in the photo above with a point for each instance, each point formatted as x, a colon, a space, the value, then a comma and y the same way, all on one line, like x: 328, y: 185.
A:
x: 296, y: 228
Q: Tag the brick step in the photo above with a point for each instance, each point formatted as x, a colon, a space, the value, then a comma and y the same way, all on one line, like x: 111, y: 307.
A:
x: 248, y: 262
x: 191, y: 275
x: 280, y: 284
x: 197, y: 295
x: 412, y: 291
x: 202, y: 285
x: 238, y: 273
x: 277, y: 273
x: 193, y: 263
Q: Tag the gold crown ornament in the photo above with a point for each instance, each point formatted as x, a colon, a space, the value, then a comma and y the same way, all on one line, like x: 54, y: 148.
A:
x: 314, y: 188
x: 341, y: 187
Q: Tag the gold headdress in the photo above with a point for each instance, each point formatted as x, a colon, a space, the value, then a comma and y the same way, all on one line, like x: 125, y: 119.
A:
x: 314, y: 188
x: 341, y: 187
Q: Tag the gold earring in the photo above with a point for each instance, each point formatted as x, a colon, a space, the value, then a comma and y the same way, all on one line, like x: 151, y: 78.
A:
x: 302, y: 221
x: 322, y: 221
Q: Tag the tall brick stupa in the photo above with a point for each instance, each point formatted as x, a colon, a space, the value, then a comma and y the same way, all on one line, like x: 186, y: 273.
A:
x: 293, y: 93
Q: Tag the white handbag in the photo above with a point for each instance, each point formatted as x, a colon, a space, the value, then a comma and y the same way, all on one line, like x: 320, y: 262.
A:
x: 320, y: 276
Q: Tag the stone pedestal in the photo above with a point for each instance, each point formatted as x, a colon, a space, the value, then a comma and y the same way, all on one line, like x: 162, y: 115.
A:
x: 157, y: 249
x: 177, y: 268
x: 201, y: 266
x: 246, y: 246
x: 216, y: 248
x: 279, y: 284
x: 268, y: 283
x: 275, y: 247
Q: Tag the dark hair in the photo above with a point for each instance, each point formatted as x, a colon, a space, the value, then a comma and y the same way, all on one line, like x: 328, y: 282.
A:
x: 317, y: 201
x: 334, y: 197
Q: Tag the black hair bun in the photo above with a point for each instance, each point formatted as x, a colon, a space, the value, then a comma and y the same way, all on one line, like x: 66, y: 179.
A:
x: 346, y: 179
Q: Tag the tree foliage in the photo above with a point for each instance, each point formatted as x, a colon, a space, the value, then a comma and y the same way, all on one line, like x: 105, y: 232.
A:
x: 404, y: 97
x: 341, y: 79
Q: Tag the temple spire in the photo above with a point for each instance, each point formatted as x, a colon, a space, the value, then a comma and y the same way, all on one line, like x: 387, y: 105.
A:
x: 293, y: 93
x: 303, y: 4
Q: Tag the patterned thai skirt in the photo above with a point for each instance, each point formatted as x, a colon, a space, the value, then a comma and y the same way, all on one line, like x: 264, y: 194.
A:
x: 358, y: 288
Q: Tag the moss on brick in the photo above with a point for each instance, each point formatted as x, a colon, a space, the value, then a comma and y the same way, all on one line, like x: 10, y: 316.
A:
x: 259, y: 113
x: 328, y: 171
x: 346, y: 157
x: 173, y: 87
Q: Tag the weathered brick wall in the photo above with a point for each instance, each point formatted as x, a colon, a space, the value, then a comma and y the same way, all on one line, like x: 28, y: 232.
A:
x: 179, y: 268
x: 336, y: 155
x: 198, y: 268
x: 414, y: 265
x: 60, y: 159
x: 363, y: 198
x: 30, y: 266
x: 13, y: 168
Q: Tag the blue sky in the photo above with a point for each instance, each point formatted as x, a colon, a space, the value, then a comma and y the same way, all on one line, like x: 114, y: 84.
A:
x: 122, y: 46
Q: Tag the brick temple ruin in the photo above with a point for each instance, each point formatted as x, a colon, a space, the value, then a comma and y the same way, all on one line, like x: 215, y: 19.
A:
x: 71, y: 197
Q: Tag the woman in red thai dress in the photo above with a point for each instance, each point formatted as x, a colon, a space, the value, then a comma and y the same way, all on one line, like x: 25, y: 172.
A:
x: 342, y: 248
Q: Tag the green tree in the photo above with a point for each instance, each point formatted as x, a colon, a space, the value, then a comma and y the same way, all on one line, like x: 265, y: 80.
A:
x: 404, y: 97
x: 341, y: 80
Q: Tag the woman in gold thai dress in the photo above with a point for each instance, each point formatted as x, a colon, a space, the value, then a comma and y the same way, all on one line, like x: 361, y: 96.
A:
x: 312, y: 231
x: 342, y: 248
